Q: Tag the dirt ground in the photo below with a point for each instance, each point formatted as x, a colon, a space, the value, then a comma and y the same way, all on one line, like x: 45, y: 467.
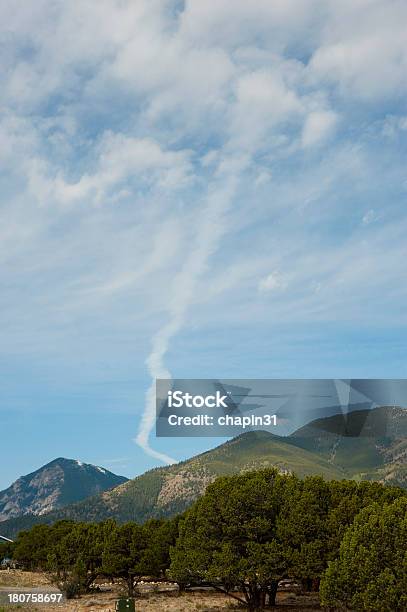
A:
x: 149, y: 601
x: 18, y: 578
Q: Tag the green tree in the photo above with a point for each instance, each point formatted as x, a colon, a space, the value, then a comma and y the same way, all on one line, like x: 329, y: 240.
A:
x: 347, y: 499
x: 228, y: 538
x: 314, y: 518
x: 6, y: 550
x: 371, y: 570
x: 123, y: 556
x: 32, y: 547
x: 160, y: 535
x: 75, y: 558
x: 302, y: 529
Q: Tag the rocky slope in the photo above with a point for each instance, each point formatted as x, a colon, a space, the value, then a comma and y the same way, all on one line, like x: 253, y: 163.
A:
x: 61, y: 482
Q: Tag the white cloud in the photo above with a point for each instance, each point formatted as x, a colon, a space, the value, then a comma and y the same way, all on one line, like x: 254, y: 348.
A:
x: 263, y: 177
x: 318, y: 126
x: 363, y: 49
x: 263, y: 102
x: 274, y: 23
x: 370, y: 217
x: 120, y: 158
x: 272, y: 282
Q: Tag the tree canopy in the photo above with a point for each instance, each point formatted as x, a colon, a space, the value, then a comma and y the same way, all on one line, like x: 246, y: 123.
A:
x: 246, y: 533
x: 370, y: 572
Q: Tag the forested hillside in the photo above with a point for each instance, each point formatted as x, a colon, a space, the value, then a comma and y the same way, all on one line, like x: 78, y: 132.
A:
x: 364, y: 445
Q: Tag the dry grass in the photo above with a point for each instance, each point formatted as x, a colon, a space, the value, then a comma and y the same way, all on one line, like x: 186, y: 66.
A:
x: 105, y: 602
x: 152, y: 602
x: 18, y: 578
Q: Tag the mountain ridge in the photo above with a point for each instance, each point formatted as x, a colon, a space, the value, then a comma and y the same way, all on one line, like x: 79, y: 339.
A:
x: 168, y: 490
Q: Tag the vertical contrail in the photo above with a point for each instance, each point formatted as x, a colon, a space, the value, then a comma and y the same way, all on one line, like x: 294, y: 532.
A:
x: 211, y: 225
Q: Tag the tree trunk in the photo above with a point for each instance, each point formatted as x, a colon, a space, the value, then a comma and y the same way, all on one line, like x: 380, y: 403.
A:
x: 272, y: 591
x: 90, y: 580
x: 130, y: 586
x: 255, y: 600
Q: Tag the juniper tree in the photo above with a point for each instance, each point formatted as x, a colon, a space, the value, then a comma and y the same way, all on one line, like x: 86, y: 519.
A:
x: 228, y: 538
x: 371, y: 570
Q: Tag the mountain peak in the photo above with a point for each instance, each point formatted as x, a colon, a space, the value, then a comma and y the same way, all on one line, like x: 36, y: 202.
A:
x: 61, y: 481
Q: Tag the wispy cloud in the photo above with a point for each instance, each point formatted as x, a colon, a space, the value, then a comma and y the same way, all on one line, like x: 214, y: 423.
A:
x: 169, y: 167
x: 205, y: 238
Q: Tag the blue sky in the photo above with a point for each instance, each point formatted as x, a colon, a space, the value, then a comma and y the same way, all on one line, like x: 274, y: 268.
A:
x: 207, y: 189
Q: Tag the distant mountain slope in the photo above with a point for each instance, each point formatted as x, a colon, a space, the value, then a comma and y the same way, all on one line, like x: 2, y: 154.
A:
x: 366, y: 444
x: 60, y: 482
x: 318, y: 448
x: 168, y: 490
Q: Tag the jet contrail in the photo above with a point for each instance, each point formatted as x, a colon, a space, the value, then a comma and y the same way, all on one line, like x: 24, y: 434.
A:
x: 210, y: 228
